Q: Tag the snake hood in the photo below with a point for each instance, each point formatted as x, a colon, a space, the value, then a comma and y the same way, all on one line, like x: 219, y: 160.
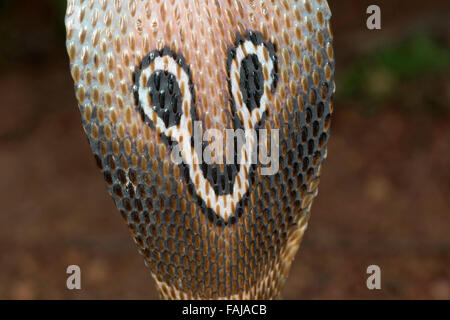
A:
x: 162, y: 86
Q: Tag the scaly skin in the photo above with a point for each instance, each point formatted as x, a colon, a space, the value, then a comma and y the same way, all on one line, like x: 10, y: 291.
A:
x: 146, y: 70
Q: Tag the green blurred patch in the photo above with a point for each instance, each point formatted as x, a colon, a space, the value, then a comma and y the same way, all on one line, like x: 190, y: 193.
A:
x: 414, y: 58
x: 394, y: 73
x: 59, y: 13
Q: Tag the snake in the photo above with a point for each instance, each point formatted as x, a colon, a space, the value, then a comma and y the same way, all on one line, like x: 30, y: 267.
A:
x: 160, y: 84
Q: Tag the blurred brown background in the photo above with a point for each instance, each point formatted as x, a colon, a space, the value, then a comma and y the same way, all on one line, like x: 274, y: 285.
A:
x: 384, y: 195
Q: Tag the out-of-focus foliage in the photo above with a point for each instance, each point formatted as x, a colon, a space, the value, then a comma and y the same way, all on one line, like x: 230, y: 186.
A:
x: 376, y: 79
x: 414, y: 58
x: 59, y: 13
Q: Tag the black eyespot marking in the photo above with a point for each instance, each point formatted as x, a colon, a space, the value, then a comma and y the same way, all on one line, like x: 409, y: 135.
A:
x: 166, y: 97
x: 163, y: 89
x: 251, y: 71
x: 251, y: 81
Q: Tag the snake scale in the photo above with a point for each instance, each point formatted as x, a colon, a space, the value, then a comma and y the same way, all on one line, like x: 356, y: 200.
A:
x: 149, y: 73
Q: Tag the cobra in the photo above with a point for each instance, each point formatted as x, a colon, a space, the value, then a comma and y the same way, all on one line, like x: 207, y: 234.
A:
x: 147, y: 71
